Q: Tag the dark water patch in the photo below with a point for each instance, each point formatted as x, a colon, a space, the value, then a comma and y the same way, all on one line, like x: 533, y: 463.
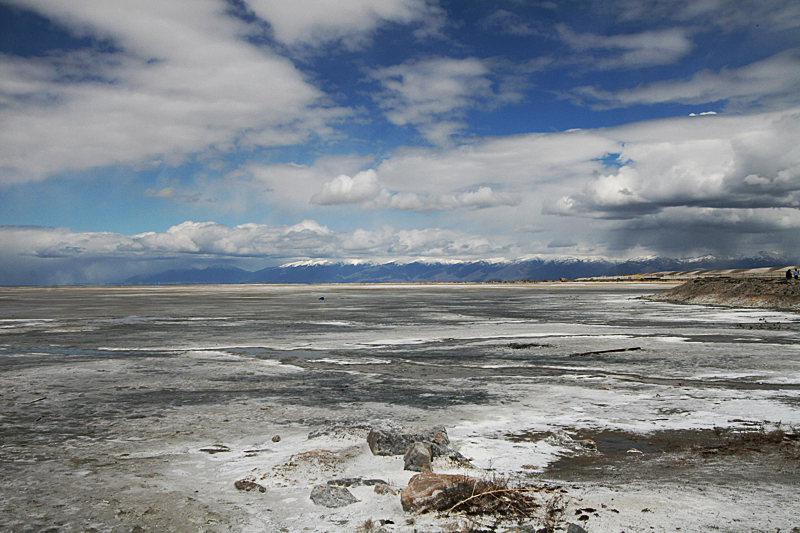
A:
x: 313, y: 389
x: 610, y: 443
x: 792, y: 401
x: 41, y: 357
x: 604, y: 442
x: 616, y: 448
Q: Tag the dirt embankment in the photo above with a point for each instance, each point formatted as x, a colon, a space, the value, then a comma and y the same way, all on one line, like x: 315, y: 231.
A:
x: 762, y: 293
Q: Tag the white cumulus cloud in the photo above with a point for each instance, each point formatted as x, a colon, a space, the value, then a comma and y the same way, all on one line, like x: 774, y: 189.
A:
x: 179, y: 80
x: 481, y: 198
x: 722, y: 162
x: 646, y: 49
x: 314, y: 22
x: 346, y: 190
x: 433, y: 94
x: 58, y: 255
x: 773, y: 82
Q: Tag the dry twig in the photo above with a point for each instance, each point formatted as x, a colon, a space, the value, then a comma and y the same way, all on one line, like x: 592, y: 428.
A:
x: 607, y: 351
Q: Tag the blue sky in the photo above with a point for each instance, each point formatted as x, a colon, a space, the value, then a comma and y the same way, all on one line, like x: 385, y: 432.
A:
x: 137, y: 136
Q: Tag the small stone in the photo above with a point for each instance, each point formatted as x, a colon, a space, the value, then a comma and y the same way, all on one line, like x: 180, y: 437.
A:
x: 276, y: 438
x: 355, y: 482
x: 345, y: 482
x: 331, y: 496
x: 247, y: 486
x: 384, y: 489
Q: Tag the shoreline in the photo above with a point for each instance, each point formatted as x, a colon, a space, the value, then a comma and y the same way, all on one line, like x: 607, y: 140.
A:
x: 779, y: 294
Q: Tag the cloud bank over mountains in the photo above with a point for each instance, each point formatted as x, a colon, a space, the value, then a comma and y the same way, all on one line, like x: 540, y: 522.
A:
x: 35, y: 255
x: 257, y: 132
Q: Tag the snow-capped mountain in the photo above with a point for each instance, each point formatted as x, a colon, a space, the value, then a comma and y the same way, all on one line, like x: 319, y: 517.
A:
x: 322, y: 271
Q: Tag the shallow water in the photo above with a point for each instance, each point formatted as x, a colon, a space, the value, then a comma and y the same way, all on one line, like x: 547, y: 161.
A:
x: 450, y: 329
x: 463, y: 330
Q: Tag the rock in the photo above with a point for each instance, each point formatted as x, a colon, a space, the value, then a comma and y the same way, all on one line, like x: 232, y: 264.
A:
x: 370, y: 482
x: 355, y: 482
x: 345, y: 482
x: 384, y: 441
x: 247, y: 486
x: 521, y: 529
x: 575, y: 528
x: 216, y: 448
x: 276, y: 438
x: 345, y: 429
x: 459, y: 459
x: 332, y: 496
x: 588, y: 444
x: 418, y: 457
x: 436, y: 492
x: 384, y: 489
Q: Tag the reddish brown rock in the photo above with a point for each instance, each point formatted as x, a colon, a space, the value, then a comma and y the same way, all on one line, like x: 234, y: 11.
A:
x: 436, y: 492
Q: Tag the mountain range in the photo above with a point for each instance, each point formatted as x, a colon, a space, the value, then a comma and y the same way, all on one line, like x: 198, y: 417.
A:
x: 474, y: 271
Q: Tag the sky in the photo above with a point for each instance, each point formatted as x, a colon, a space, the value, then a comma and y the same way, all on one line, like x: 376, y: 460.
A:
x: 141, y: 136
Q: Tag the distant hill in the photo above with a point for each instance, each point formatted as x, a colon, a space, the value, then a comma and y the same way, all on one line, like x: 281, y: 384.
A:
x: 776, y: 293
x: 474, y: 271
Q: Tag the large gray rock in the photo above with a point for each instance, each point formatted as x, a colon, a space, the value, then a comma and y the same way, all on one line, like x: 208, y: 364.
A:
x: 384, y: 441
x: 332, y: 496
x: 418, y: 457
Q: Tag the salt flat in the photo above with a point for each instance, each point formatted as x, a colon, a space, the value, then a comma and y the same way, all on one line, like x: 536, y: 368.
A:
x: 139, y: 407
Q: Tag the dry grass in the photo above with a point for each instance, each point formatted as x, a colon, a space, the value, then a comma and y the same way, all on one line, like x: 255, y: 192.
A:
x: 492, y: 501
x: 367, y: 527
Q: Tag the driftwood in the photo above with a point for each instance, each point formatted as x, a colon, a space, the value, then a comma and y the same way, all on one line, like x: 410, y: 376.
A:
x: 606, y: 351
